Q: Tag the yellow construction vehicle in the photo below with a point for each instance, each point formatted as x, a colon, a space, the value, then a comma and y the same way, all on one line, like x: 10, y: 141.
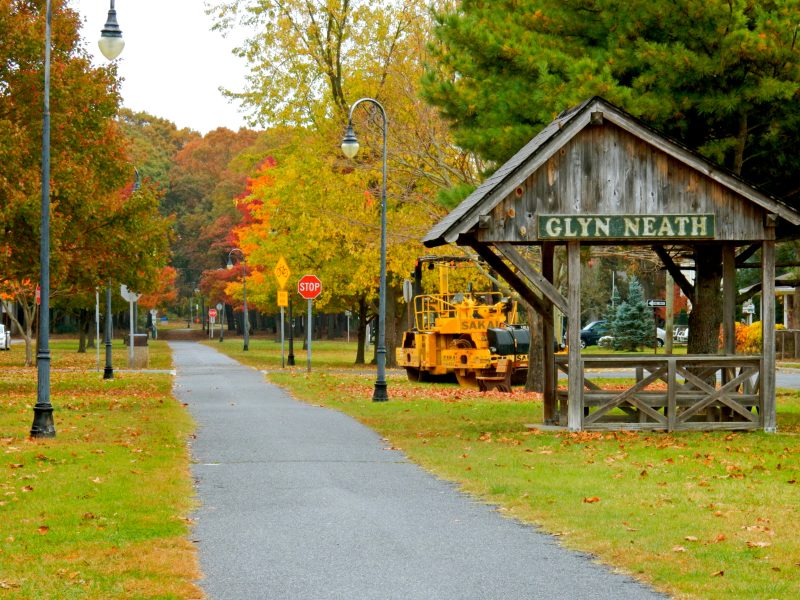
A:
x: 470, y: 335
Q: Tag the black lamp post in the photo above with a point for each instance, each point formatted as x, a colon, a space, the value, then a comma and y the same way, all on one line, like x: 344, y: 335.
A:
x: 43, y: 424
x: 350, y: 148
x: 245, y: 320
x: 108, y: 372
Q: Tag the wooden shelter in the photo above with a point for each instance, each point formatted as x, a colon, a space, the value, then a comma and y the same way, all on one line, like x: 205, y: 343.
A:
x: 598, y: 176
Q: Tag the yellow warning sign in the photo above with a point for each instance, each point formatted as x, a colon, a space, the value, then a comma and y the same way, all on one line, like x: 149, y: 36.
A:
x: 283, y: 298
x: 282, y: 273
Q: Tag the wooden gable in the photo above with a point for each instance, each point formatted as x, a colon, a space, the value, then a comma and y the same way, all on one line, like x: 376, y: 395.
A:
x: 600, y: 175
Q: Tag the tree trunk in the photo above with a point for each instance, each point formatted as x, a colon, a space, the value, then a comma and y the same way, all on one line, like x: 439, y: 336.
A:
x: 393, y: 323
x: 29, y: 312
x: 362, y: 330
x: 90, y: 338
x: 83, y: 326
x: 706, y: 315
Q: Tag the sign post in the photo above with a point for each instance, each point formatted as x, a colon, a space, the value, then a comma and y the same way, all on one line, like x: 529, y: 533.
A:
x: 282, y: 273
x: 212, y: 318
x: 309, y: 287
x: 221, y: 312
x: 655, y: 305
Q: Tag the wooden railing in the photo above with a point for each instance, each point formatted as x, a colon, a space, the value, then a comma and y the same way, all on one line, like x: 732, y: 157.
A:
x: 669, y: 392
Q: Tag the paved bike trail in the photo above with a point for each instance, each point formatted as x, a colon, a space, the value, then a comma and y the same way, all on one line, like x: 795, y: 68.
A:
x: 301, y: 502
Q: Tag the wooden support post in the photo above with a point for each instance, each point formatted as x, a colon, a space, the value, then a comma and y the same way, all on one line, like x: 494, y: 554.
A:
x: 768, y: 335
x: 672, y: 387
x: 729, y: 299
x: 575, y: 402
x: 669, y: 320
x: 728, y: 306
x: 550, y: 381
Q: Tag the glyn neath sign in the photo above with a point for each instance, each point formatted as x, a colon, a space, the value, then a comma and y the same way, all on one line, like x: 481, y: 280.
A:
x: 576, y: 227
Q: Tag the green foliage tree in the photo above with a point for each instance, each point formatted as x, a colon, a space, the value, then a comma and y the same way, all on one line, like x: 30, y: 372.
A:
x: 723, y: 77
x: 632, y: 325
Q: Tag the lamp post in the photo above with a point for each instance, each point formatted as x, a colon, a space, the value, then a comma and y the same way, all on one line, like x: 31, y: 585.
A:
x: 108, y: 372
x: 245, y: 320
x: 350, y: 148
x: 43, y: 425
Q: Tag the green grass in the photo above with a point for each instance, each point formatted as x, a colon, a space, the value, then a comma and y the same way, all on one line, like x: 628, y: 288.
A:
x: 266, y: 354
x: 100, y: 510
x: 698, y: 515
x: 64, y: 355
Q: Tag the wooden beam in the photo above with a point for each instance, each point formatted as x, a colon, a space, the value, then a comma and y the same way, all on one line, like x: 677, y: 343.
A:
x: 575, y: 398
x: 686, y: 287
x: 742, y: 257
x: 550, y: 382
x: 768, y: 336
x: 545, y: 287
x: 511, y: 278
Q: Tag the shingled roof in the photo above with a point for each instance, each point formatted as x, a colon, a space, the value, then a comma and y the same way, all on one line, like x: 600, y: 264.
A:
x: 530, y: 157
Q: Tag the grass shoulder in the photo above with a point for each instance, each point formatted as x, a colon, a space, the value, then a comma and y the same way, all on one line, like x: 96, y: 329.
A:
x: 101, y: 510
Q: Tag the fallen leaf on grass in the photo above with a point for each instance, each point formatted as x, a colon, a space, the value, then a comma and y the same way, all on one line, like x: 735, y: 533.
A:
x: 591, y: 500
x: 16, y: 465
x: 720, y: 538
x: 690, y: 538
x: 97, y: 480
x: 758, y: 544
x: 7, y: 585
x: 43, y: 529
x: 718, y: 573
x: 27, y: 488
x: 678, y: 549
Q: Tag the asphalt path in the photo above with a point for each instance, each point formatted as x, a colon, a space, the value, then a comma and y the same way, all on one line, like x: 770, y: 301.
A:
x: 298, y: 501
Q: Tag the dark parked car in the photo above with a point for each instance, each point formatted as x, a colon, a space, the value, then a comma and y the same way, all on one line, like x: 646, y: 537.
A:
x: 593, y: 331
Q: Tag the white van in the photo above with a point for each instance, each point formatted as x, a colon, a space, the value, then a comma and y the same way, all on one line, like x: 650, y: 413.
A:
x: 5, y: 338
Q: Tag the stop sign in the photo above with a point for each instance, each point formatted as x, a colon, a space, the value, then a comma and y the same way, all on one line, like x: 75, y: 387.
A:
x: 212, y: 313
x: 309, y: 287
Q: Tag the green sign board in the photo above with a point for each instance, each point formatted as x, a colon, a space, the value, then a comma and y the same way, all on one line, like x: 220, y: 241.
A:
x: 620, y: 227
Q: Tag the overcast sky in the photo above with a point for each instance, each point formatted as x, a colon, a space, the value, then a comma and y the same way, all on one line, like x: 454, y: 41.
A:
x: 173, y: 64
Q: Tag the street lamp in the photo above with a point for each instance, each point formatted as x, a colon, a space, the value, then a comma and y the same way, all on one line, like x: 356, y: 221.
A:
x: 246, y: 321
x: 350, y: 148
x: 111, y: 42
x: 43, y: 424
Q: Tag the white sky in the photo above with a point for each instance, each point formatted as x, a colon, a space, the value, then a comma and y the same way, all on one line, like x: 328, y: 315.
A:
x: 173, y: 64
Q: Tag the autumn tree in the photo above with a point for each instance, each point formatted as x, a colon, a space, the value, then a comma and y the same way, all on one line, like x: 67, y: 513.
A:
x: 98, y: 231
x: 153, y: 143
x: 309, y: 62
x: 723, y: 77
x: 203, y: 181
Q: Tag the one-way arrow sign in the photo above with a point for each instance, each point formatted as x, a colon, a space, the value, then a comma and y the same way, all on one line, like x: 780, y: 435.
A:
x: 655, y: 303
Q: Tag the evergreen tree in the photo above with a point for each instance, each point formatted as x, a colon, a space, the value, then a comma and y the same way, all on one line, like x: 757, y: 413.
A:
x: 723, y: 77
x: 633, y: 321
